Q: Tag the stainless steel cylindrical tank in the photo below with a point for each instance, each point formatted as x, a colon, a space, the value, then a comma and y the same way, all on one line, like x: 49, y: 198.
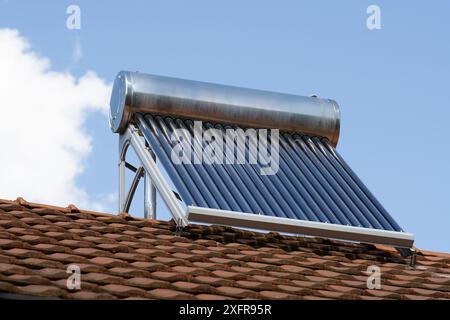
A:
x: 137, y: 92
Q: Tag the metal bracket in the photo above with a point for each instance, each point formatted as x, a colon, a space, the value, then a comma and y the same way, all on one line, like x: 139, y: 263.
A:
x: 130, y: 167
x: 413, y: 257
x: 137, y: 177
x: 405, y: 252
x: 179, y: 228
x: 154, y: 179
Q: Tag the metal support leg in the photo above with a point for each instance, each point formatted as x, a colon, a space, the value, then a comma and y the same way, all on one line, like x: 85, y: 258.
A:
x: 149, y: 191
x: 121, y: 185
x: 123, y: 147
x: 149, y: 198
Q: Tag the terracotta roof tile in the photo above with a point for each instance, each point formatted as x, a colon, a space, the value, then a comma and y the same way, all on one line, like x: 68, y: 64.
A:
x: 382, y: 293
x: 127, y: 245
x: 264, y: 278
x: 263, y: 266
x: 294, y: 289
x: 192, y: 287
x: 108, y: 262
x: 6, y: 235
x: 254, y: 285
x: 204, y: 296
x: 210, y: 265
x: 202, y: 242
x: 57, y: 217
x: 76, y: 244
x: 222, y: 260
x: 67, y: 258
x: 114, y: 247
x: 87, y: 295
x: 21, y: 279
x: 310, y: 284
x: 10, y: 244
x: 236, y: 292
x: 98, y: 240
x: 168, y: 294
x: 39, y: 290
x: 123, y: 291
x: 152, y: 252
x: 85, y: 285
x: 101, y: 278
x: 51, y: 273
x: 286, y: 275
x: 335, y: 295
x: 36, y: 263
x: 91, y: 252
x: 34, y: 220
x: 247, y: 271
x: 147, y: 283
x: 129, y: 272
x: 121, y: 257
x: 169, y: 276
x: 150, y: 266
x: 437, y: 287
x: 55, y: 236
x: 328, y: 274
x: 46, y: 211
x: 214, y: 281
x: 51, y: 248
x: 228, y: 275
x: 428, y: 293
x: 295, y: 269
x: 190, y: 270
x: 171, y: 261
x: 276, y: 295
x: 415, y: 297
x: 114, y: 236
x: 90, y: 267
x: 131, y: 257
x: 24, y: 253
x: 8, y: 287
x: 315, y: 298
x: 439, y: 280
x: 7, y: 259
x: 23, y: 231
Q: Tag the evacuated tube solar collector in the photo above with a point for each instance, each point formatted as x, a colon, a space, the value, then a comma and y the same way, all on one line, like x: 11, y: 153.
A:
x: 314, y: 192
x: 135, y: 92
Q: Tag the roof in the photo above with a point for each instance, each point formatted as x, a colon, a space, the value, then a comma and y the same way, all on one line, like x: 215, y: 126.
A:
x: 122, y: 257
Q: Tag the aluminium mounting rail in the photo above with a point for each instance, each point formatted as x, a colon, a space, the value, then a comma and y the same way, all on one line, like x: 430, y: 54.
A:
x: 310, y: 228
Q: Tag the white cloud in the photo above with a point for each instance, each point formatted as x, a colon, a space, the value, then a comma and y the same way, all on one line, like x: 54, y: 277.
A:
x: 42, y: 138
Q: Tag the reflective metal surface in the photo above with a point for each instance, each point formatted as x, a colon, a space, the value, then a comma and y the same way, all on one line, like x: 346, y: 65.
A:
x: 136, y: 92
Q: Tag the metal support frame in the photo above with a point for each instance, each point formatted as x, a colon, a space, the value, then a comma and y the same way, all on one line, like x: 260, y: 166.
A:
x: 149, y: 197
x: 311, y: 228
x: 154, y: 179
x: 122, y: 167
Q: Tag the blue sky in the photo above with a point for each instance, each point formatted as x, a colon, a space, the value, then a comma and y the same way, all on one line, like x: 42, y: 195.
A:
x: 392, y: 84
